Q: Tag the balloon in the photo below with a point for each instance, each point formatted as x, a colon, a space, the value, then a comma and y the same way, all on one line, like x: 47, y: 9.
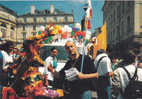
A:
x: 88, y: 35
x: 60, y: 31
x: 42, y: 28
x: 39, y: 32
x: 72, y: 33
x: 77, y: 25
x: 69, y: 29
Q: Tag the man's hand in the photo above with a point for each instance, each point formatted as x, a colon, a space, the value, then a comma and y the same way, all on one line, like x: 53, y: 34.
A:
x: 46, y: 80
x: 46, y: 83
x: 80, y: 75
x: 51, y: 69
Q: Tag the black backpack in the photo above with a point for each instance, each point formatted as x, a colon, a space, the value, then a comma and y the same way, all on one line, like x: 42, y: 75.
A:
x: 134, y: 88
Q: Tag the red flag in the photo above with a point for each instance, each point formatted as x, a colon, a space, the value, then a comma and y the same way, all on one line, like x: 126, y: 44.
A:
x: 90, y: 13
x: 89, y: 24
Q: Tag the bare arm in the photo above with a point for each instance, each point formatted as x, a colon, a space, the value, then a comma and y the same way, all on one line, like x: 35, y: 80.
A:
x: 54, y: 72
x: 87, y: 76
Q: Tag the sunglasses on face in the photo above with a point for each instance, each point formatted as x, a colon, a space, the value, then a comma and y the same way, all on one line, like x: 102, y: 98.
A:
x: 67, y: 47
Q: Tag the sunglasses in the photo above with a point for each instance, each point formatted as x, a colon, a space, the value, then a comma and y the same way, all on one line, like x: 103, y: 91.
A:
x: 67, y: 47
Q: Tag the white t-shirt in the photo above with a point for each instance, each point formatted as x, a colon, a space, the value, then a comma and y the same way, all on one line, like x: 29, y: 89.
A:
x: 49, y: 60
x: 104, y: 65
x: 121, y: 78
x: 6, y: 59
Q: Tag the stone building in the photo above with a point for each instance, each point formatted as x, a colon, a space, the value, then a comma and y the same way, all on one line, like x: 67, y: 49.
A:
x: 30, y: 23
x: 18, y: 28
x: 124, y: 23
x: 7, y: 23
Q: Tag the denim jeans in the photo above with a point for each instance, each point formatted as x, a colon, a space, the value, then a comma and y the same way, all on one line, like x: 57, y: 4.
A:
x: 86, y: 95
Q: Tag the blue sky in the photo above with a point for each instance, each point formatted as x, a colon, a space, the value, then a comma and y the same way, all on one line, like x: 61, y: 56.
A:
x: 21, y: 7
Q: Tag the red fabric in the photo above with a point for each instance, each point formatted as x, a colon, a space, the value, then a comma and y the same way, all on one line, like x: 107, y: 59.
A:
x: 83, y: 34
x: 8, y: 91
x: 12, y: 94
x: 89, y: 24
x: 60, y: 31
x: 25, y: 98
x: 64, y: 35
x: 90, y: 13
x: 79, y: 33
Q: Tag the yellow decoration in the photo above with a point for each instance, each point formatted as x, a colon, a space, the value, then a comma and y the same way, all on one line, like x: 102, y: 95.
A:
x: 60, y: 92
x: 101, y: 40
x: 14, y: 71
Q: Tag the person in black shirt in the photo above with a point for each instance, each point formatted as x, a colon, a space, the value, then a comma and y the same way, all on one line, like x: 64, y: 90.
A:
x: 68, y: 76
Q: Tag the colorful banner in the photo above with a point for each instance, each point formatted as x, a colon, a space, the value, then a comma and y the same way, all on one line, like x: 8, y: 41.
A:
x: 101, y: 42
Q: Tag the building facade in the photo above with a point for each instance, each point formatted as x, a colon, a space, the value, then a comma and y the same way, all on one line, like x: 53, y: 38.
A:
x: 18, y: 28
x: 7, y: 24
x: 124, y: 23
x: 29, y: 24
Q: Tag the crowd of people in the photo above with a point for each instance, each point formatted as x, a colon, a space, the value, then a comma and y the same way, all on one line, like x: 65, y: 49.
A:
x: 106, y: 75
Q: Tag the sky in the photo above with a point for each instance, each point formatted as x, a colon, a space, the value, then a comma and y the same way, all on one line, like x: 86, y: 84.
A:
x: 22, y: 7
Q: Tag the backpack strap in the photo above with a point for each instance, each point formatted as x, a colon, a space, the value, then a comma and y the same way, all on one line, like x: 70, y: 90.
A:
x: 131, y: 79
x: 135, y: 74
x: 127, y: 72
x: 99, y: 61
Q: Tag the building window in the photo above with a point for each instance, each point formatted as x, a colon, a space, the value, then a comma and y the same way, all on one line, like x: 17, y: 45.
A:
x: 12, y: 28
x: 122, y: 7
x: 34, y: 27
x: 111, y: 36
x: 50, y: 19
x: 122, y: 29
x: 34, y: 33
x: 20, y: 20
x: 118, y: 33
x: 30, y: 20
x: 60, y: 19
x: 128, y: 25
x: 12, y: 34
x: 24, y: 35
x: 70, y: 19
x: 23, y: 28
x: 40, y: 20
x: 3, y: 25
x: 3, y: 30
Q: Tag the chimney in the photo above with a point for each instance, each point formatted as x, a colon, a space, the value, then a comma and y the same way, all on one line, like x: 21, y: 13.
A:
x: 51, y: 9
x: 32, y: 9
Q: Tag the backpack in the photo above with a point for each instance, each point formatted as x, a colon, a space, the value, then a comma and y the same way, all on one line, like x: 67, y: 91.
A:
x: 103, y: 81
x: 134, y: 88
x: 1, y: 61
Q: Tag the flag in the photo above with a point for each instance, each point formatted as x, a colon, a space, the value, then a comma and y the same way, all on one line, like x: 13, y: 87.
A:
x: 89, y: 14
x: 83, y: 23
x: 89, y: 25
x: 89, y: 10
x: 101, y: 41
x: 102, y: 38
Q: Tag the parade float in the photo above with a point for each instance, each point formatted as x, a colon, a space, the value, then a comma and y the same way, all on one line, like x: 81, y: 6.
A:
x: 27, y: 82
